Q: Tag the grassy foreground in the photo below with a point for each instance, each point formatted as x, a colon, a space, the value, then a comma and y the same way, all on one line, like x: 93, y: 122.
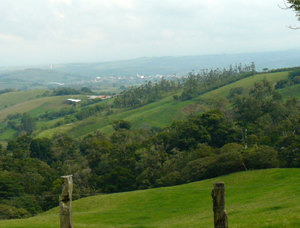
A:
x: 261, y: 198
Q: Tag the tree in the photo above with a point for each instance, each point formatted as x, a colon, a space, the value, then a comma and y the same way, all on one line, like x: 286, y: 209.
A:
x: 41, y: 149
x: 86, y: 90
x: 294, y: 5
x: 121, y: 124
x: 28, y: 123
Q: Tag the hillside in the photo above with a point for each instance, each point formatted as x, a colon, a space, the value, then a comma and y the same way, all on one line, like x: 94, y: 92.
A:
x: 32, y: 102
x: 160, y: 113
x: 167, y: 65
x: 38, y: 75
x: 181, y: 65
x: 35, y: 78
x: 14, y: 98
x: 262, y: 198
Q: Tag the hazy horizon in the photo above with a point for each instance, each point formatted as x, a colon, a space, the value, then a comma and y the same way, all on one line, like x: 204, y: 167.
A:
x: 46, y: 32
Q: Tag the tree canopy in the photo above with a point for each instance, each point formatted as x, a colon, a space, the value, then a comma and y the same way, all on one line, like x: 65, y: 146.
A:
x: 294, y: 5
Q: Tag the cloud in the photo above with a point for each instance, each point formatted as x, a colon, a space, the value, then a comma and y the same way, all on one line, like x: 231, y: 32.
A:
x: 10, y: 38
x: 99, y: 30
x: 68, y: 2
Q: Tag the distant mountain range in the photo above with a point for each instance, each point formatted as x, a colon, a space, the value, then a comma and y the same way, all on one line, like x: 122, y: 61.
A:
x: 152, y: 66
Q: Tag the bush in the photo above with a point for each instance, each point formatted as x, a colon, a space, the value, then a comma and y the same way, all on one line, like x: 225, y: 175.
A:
x: 121, y: 124
x: 281, y: 83
x: 10, y: 212
x: 294, y: 74
x: 262, y: 157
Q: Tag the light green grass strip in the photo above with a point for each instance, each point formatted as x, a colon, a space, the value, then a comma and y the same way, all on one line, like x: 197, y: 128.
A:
x: 246, y: 83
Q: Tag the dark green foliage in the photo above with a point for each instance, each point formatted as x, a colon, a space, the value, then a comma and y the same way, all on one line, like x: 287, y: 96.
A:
x: 176, y: 97
x: 295, y: 5
x: 10, y: 184
x: 294, y: 74
x: 135, y: 97
x: 41, y: 148
x: 121, y: 124
x: 90, y: 111
x: 11, y: 212
x: 28, y: 123
x: 289, y: 151
x: 59, y: 113
x: 234, y: 91
x: 7, y: 90
x: 13, y: 116
x: 262, y: 157
x: 198, y: 83
x: 86, y: 90
x: 283, y: 69
x: 296, y: 80
x: 89, y: 102
x: 282, y: 83
x: 260, y: 101
x: 65, y: 91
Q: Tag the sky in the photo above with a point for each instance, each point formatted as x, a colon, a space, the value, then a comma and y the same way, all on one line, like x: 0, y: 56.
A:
x: 35, y: 32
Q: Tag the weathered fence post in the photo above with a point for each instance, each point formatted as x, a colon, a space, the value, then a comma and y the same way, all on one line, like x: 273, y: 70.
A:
x: 220, y: 215
x: 65, y: 202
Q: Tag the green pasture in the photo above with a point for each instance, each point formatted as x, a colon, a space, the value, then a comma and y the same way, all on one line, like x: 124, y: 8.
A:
x: 38, y: 106
x: 246, y: 83
x: 8, y: 134
x: 13, y: 98
x: 160, y: 113
x: 292, y: 91
x: 254, y: 199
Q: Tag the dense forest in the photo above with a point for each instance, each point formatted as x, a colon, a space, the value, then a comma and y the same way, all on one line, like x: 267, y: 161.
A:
x: 250, y: 129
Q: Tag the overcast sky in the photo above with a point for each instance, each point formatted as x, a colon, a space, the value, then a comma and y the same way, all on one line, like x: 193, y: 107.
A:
x: 63, y: 31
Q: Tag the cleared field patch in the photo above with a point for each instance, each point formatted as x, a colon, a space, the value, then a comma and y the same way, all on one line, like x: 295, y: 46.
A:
x: 13, y: 98
x: 8, y: 134
x: 38, y: 106
x: 259, y: 199
x: 160, y: 113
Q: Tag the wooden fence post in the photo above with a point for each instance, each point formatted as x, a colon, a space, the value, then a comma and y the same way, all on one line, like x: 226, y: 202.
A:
x: 220, y: 215
x: 65, y: 202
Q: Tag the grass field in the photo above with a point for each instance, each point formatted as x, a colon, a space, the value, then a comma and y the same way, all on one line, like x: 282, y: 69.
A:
x: 247, y: 82
x: 13, y: 98
x: 254, y: 199
x: 160, y: 113
x: 293, y: 91
x: 8, y: 134
x: 38, y: 106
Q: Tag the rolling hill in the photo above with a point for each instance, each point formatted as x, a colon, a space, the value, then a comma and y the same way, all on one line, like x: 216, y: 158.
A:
x: 167, y: 65
x: 181, y: 65
x: 254, y: 199
x: 160, y: 113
